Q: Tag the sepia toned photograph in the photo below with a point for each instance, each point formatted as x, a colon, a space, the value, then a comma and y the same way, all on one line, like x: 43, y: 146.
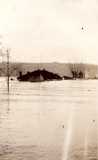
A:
x: 48, y: 80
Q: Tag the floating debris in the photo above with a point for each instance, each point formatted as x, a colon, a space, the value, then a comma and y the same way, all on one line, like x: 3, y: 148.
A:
x: 62, y: 126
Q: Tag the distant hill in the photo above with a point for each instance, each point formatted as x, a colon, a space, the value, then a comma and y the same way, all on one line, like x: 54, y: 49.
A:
x: 63, y: 69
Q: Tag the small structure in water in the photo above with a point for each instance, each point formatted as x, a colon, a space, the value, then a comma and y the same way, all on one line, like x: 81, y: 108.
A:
x: 38, y: 76
x: 12, y: 79
x: 67, y: 78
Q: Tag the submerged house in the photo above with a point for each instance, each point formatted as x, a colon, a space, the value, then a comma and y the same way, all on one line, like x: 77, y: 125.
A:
x: 38, y: 76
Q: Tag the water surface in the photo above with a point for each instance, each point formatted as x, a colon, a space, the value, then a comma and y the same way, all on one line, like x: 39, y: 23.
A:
x: 55, y: 120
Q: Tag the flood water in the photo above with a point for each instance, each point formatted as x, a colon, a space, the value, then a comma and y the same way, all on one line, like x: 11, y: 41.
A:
x: 55, y: 120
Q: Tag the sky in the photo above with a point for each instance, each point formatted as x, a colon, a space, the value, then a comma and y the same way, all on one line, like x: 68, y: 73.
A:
x: 50, y: 30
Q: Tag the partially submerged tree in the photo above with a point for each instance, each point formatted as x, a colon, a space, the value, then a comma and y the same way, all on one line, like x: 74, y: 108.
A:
x: 77, y: 72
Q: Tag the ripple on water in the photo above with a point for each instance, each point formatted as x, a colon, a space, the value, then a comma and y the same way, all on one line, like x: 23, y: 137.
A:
x: 78, y: 154
x: 29, y: 153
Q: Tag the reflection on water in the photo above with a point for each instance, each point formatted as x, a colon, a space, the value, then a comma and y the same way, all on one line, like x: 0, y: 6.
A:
x: 49, y: 120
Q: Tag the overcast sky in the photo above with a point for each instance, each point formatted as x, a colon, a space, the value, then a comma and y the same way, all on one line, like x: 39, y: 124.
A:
x: 50, y: 30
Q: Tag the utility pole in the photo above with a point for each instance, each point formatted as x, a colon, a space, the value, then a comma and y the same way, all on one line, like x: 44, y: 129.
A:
x: 8, y: 75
